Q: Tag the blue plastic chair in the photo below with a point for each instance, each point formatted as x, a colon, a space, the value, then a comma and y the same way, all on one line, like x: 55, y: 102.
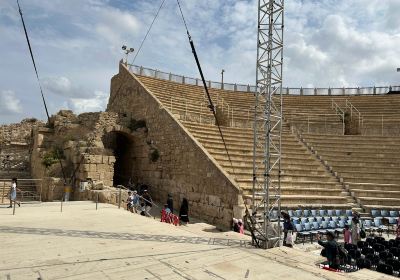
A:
x: 301, y: 232
x: 338, y: 212
x: 394, y: 213
x: 332, y: 226
x: 374, y: 213
x: 330, y: 213
x: 392, y: 221
x: 349, y: 213
x: 308, y: 229
x: 306, y: 213
x: 324, y: 224
x: 291, y: 213
x: 379, y: 226
x: 304, y: 220
x: 298, y: 213
x: 322, y: 212
x: 318, y: 228
x: 367, y: 224
x: 335, y: 219
x: 384, y: 213
x: 313, y: 212
x: 318, y: 220
x: 274, y: 214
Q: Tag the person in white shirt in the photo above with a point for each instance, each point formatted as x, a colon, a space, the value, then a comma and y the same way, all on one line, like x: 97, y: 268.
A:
x: 13, y: 193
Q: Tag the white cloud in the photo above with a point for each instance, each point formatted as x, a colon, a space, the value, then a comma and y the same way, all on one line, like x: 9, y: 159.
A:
x: 9, y: 103
x: 77, y: 45
x: 97, y: 103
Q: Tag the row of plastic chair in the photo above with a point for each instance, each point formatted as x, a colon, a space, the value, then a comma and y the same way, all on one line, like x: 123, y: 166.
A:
x: 319, y: 219
x: 384, y: 213
x: 309, y: 230
x: 322, y: 212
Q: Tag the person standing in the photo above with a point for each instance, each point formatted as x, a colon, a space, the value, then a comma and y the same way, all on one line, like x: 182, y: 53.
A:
x: 184, y: 211
x: 287, y: 228
x: 135, y: 202
x: 170, y: 203
x: 148, y: 202
x: 347, y: 234
x: 13, y: 193
x: 355, y: 230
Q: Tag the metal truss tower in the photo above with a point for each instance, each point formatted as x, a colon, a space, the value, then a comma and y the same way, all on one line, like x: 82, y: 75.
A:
x: 268, y: 125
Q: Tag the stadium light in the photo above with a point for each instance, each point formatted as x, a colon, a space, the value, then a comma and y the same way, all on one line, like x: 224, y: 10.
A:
x: 222, y: 76
x: 127, y: 52
x: 398, y: 69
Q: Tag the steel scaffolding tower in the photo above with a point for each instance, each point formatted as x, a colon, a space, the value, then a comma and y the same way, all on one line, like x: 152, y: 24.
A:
x: 268, y: 125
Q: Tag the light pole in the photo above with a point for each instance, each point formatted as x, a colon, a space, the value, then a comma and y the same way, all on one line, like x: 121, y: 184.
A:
x: 222, y: 79
x: 127, y: 52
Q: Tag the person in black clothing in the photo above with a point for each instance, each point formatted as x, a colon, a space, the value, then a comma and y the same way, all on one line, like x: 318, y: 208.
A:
x: 287, y: 227
x: 184, y: 211
x: 170, y: 203
x: 330, y: 250
x: 148, y: 202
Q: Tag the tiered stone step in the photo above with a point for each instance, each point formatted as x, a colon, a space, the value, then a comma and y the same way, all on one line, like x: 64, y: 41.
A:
x: 369, y: 166
x: 304, y: 180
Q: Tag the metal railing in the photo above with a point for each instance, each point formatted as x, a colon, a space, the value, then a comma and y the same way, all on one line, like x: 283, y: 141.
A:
x: 338, y: 112
x: 352, y: 108
x: 148, y: 72
x: 37, y: 183
x: 298, y: 119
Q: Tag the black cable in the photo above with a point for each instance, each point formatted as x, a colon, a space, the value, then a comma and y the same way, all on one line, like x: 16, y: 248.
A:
x: 211, y: 105
x: 33, y: 61
x: 40, y: 85
x: 148, y: 31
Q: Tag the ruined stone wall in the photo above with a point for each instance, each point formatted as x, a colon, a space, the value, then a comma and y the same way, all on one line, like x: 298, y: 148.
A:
x: 18, y: 132
x: 184, y: 167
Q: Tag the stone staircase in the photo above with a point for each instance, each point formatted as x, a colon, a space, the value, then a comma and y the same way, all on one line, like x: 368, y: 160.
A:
x: 321, y: 167
x: 368, y: 166
x: 305, y: 181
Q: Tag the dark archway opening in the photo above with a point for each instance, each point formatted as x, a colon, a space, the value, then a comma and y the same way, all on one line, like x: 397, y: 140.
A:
x: 122, y: 148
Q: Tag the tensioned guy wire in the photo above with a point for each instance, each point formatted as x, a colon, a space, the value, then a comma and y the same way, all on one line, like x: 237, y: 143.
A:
x: 147, y: 33
x: 211, y: 105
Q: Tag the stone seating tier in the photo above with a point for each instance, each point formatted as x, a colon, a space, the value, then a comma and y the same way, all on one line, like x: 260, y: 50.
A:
x: 365, y: 163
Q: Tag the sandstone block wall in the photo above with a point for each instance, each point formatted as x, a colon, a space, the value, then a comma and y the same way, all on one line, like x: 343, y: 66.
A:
x: 184, y: 168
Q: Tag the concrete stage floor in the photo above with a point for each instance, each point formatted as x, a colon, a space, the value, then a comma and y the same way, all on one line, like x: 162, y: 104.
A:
x: 40, y: 242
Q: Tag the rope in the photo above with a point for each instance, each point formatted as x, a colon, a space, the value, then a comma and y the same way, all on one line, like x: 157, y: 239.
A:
x: 211, y: 105
x: 33, y: 61
x: 147, y: 33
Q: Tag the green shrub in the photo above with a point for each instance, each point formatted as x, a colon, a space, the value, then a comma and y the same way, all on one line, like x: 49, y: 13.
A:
x: 52, y: 157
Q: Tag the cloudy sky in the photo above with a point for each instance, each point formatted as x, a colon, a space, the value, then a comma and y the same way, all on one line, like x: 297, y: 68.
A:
x: 77, y: 44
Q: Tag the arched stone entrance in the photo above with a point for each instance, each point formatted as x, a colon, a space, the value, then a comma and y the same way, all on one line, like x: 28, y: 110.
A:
x: 121, y: 145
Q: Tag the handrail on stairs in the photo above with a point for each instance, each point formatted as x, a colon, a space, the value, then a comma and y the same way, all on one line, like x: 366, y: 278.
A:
x: 338, y: 112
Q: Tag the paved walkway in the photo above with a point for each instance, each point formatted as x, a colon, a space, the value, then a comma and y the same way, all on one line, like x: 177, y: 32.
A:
x: 41, y: 242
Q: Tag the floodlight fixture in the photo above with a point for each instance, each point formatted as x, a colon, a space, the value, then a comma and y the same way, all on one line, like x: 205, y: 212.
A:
x: 398, y: 69
x: 127, y: 52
